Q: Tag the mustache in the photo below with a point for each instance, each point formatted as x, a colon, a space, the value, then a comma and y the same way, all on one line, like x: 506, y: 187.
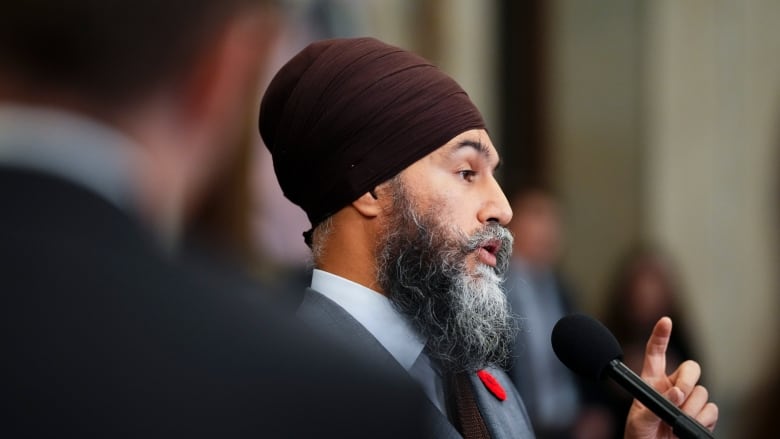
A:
x: 492, y: 233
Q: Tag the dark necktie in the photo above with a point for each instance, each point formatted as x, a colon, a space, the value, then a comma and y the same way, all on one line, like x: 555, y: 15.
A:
x: 462, y: 406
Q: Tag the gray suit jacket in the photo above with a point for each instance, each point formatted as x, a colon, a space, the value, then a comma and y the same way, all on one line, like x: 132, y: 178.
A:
x: 506, y: 419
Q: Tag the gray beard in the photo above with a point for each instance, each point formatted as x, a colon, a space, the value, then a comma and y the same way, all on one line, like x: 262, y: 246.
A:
x: 422, y: 267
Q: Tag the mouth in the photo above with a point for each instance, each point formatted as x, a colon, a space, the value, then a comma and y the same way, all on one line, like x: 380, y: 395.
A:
x: 487, y: 251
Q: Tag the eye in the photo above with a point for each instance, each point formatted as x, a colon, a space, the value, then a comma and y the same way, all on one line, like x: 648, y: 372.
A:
x: 467, y: 174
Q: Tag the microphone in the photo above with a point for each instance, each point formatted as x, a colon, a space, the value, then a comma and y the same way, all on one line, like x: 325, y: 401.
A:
x: 588, y: 348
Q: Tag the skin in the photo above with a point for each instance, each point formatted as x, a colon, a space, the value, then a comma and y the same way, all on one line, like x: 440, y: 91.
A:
x: 458, y: 181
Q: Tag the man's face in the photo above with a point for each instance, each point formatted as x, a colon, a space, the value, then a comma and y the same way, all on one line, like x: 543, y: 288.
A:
x: 444, y: 251
x: 457, y: 182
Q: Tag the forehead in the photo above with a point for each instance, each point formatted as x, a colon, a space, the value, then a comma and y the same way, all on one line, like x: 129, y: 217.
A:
x: 468, y: 142
x: 471, y: 149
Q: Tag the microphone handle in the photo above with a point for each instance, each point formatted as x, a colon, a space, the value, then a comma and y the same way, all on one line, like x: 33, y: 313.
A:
x: 682, y: 425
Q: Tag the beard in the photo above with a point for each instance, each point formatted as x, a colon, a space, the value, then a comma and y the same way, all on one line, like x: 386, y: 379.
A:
x: 423, y: 269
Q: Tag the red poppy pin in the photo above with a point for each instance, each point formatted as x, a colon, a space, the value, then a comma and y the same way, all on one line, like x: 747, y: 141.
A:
x: 492, y: 384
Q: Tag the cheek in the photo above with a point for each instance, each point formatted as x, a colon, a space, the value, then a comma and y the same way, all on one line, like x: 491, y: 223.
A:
x: 457, y: 213
x: 436, y: 193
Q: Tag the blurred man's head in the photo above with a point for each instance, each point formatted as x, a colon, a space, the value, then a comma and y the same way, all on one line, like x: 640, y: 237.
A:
x: 175, y: 76
x: 109, y: 53
x: 536, y: 226
x: 391, y: 162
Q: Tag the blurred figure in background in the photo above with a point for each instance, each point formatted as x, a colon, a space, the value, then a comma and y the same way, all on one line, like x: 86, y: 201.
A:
x: 644, y: 288
x: 559, y: 403
x: 758, y: 418
x: 117, y: 120
x: 539, y: 297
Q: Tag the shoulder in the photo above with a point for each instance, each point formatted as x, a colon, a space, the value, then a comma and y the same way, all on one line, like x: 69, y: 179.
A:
x: 322, y: 314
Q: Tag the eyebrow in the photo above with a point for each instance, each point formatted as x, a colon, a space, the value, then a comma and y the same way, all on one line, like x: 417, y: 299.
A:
x: 480, y: 147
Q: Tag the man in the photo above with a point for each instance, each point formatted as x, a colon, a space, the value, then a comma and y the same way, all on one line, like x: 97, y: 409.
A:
x: 392, y: 164
x: 115, y: 119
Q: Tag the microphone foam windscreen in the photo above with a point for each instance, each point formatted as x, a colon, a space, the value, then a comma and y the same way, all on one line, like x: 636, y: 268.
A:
x: 585, y: 345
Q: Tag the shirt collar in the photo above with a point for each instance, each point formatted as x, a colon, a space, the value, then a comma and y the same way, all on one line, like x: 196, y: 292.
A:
x: 70, y: 146
x: 375, y: 312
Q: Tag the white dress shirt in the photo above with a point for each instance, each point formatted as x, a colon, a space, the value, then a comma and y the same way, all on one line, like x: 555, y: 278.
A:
x: 391, y: 329
x: 83, y: 151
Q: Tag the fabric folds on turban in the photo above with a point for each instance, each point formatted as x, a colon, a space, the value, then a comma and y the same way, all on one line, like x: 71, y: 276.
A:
x: 345, y: 115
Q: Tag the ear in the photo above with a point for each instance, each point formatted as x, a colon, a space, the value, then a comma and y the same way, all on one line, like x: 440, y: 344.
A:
x: 228, y: 68
x: 368, y: 205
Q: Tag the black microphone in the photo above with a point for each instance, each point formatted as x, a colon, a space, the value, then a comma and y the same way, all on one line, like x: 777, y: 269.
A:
x: 588, y: 348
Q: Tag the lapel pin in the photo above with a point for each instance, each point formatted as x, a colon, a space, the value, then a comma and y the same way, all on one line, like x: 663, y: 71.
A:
x: 492, y: 384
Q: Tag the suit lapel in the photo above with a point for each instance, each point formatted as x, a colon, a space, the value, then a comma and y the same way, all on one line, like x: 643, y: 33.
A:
x: 506, y: 419
x: 327, y: 317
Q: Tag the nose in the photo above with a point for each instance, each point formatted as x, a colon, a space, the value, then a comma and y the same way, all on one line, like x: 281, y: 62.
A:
x: 496, y: 207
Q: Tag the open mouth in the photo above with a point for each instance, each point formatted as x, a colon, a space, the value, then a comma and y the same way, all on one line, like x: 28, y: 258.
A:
x: 488, y: 251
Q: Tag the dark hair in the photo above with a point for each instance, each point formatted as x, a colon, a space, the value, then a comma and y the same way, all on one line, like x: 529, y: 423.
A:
x: 106, y: 50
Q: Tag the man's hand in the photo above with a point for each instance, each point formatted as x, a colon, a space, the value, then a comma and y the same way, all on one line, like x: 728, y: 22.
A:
x: 680, y: 388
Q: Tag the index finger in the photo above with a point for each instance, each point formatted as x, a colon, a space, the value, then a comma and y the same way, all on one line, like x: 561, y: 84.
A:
x: 654, y: 365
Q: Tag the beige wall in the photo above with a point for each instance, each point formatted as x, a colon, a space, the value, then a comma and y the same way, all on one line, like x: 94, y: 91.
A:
x: 713, y: 88
x: 594, y: 132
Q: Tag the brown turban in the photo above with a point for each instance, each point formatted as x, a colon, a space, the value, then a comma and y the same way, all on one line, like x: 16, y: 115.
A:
x: 345, y: 115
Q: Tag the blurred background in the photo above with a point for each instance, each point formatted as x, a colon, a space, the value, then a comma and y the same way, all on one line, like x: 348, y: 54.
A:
x: 654, y: 124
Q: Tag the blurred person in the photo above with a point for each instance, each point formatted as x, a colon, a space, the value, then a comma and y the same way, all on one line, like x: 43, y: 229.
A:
x: 538, y: 298
x: 644, y: 288
x: 116, y: 120
x: 393, y: 166
x: 757, y: 416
